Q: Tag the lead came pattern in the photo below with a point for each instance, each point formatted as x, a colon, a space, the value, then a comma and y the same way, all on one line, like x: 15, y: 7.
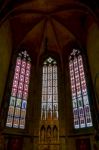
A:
x: 81, y: 108
x: 19, y: 94
x: 49, y: 87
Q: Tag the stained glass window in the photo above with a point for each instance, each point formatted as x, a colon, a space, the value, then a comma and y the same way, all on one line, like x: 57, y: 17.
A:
x: 80, y: 99
x: 49, y: 89
x: 19, y: 93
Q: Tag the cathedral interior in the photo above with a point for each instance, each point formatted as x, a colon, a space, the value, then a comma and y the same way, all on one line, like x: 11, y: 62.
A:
x: 49, y: 75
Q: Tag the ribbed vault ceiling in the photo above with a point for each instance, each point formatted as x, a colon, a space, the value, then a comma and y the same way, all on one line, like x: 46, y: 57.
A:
x: 61, y: 21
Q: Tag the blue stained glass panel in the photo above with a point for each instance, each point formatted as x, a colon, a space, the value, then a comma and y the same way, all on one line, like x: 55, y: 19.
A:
x: 24, y: 104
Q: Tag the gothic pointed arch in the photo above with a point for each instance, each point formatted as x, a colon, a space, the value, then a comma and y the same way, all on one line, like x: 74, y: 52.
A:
x: 79, y: 91
x: 19, y: 92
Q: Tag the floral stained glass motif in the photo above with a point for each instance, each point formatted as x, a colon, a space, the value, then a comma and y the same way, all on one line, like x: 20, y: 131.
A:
x: 80, y: 99
x: 19, y: 94
x: 49, y: 89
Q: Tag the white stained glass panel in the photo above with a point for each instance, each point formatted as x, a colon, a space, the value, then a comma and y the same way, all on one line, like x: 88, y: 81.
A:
x: 89, y: 121
x: 81, y: 112
x: 82, y: 122
x: 16, y: 122
x: 45, y: 76
x: 11, y: 111
x: 55, y: 106
x: 75, y: 111
x: 74, y: 103
x: 44, y: 106
x: 50, y: 69
x: 44, y: 83
x: 49, y: 90
x: 44, y: 98
x: 55, y: 90
x: 44, y: 69
x: 23, y: 113
x: 49, y: 106
x: 44, y: 90
x: 87, y: 110
x: 9, y: 121
x: 49, y: 82
x: 12, y: 101
x: 49, y: 98
x: 54, y: 82
x: 80, y: 102
x: 76, y: 123
x: 85, y: 99
x: 49, y: 85
x: 17, y: 112
x: 55, y: 69
x: 55, y: 76
x: 22, y: 123
x: 55, y: 98
x: 49, y: 76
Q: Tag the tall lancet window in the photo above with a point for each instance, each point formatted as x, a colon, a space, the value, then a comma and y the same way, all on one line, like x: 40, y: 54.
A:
x: 80, y: 99
x: 19, y: 93
x: 49, y: 106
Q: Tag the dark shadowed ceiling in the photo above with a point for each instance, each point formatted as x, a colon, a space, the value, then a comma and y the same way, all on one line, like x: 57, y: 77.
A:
x: 61, y: 21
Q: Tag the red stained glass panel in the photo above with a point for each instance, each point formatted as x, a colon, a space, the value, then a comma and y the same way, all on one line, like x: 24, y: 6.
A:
x: 18, y: 62
x: 25, y: 95
x: 14, y: 92
x: 23, y: 71
x: 23, y: 63
x: 28, y: 66
x: 17, y: 69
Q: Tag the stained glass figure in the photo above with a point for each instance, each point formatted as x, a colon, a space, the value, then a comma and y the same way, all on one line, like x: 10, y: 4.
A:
x: 49, y: 89
x: 19, y: 94
x: 80, y: 99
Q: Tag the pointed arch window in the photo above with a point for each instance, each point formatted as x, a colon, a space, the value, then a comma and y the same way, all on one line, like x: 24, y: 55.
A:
x: 80, y: 99
x: 49, y: 104
x: 19, y: 93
